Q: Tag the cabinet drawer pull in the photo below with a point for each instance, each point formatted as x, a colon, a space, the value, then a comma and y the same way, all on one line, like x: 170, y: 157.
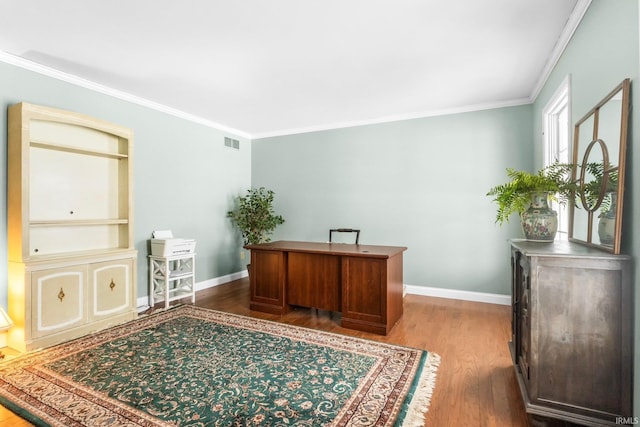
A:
x: 112, y: 285
x: 61, y: 295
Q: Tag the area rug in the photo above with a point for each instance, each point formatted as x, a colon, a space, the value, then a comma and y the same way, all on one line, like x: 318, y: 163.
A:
x: 190, y: 366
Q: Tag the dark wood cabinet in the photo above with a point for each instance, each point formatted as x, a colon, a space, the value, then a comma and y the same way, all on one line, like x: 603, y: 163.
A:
x: 372, y: 293
x: 364, y: 282
x: 572, y: 331
x: 267, y: 294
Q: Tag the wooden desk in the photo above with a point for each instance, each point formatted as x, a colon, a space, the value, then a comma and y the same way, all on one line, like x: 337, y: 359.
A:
x: 363, y: 282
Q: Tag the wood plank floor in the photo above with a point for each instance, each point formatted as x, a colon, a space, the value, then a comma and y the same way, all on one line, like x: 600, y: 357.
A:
x: 476, y: 383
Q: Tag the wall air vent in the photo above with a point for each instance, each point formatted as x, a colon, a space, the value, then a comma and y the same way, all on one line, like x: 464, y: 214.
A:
x: 231, y: 143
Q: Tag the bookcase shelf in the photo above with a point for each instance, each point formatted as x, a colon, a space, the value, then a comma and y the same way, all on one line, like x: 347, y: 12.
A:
x: 71, y: 149
x: 72, y: 223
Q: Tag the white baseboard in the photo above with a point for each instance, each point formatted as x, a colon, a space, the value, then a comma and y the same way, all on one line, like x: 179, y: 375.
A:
x: 143, y: 301
x: 206, y: 284
x: 458, y: 294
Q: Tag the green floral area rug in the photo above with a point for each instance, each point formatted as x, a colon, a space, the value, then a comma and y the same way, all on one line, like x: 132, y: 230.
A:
x: 190, y: 366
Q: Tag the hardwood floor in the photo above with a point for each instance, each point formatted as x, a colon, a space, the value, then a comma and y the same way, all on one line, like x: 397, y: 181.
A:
x: 476, y: 383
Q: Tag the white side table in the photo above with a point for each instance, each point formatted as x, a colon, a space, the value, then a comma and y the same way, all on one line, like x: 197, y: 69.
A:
x: 171, y: 278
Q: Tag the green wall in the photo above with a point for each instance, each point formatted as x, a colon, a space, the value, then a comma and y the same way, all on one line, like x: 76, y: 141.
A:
x: 603, y: 51
x: 184, y: 177
x: 418, y: 183
x: 421, y: 183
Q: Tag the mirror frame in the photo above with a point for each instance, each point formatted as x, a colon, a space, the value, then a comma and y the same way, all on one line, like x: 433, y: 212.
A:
x: 579, y: 170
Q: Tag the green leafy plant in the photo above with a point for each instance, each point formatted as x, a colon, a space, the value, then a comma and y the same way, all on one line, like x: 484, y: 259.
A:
x: 514, y: 196
x: 594, y: 186
x: 254, y: 215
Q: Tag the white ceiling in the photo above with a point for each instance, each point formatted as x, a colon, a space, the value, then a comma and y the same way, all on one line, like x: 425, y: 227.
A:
x: 262, y: 68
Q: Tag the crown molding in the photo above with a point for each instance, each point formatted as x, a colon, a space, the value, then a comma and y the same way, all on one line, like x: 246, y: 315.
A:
x: 569, y: 29
x: 395, y: 118
x: 87, y: 84
x: 572, y: 24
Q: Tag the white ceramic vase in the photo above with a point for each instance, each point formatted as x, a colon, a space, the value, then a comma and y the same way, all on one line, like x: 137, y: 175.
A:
x: 540, y: 222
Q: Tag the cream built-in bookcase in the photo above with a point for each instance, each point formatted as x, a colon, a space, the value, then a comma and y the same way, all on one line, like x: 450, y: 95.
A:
x: 70, y: 226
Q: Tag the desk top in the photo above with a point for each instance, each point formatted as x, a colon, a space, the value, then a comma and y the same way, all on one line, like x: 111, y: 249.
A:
x: 345, y: 249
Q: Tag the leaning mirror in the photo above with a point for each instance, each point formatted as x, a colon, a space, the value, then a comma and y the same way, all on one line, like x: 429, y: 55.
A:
x: 599, y: 147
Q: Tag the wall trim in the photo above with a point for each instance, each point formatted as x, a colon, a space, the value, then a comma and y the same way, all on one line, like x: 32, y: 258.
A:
x: 396, y: 118
x: 572, y: 24
x: 143, y: 302
x: 216, y: 281
x: 87, y: 84
x: 570, y: 27
x: 125, y: 96
x: 459, y: 294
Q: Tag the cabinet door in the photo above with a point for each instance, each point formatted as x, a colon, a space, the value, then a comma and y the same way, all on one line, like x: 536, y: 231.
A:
x: 364, y: 291
x: 580, y: 344
x: 111, y: 287
x: 515, y: 306
x: 267, y: 281
x: 58, y: 300
x: 524, y: 317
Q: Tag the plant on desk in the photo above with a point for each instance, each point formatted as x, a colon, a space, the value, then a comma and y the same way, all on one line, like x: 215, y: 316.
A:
x: 255, y: 217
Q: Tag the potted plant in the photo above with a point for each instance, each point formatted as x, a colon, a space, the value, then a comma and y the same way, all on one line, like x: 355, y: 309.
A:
x: 603, y: 196
x: 528, y: 194
x: 255, y: 217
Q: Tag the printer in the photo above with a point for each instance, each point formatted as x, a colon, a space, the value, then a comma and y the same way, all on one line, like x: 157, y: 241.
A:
x: 164, y: 244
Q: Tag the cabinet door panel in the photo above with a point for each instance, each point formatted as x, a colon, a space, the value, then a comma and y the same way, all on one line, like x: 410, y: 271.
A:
x: 59, y: 300
x: 111, y: 287
x: 580, y: 340
x: 313, y: 280
x: 524, y: 319
x: 268, y: 287
x: 364, y: 293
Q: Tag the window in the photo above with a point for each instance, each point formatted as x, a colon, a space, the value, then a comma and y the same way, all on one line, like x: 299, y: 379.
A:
x: 556, y: 138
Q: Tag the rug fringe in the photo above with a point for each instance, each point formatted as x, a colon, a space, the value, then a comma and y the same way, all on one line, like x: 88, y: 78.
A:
x: 417, y: 410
